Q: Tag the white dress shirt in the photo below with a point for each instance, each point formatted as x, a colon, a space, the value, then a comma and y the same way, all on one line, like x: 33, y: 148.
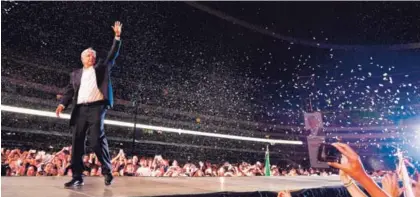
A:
x: 88, y: 91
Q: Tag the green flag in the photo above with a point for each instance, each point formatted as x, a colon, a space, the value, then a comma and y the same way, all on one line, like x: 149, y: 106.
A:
x: 267, y: 163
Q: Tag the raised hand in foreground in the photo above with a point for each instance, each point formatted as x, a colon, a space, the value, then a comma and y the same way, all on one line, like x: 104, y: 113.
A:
x: 353, y: 165
x: 354, y: 168
x: 416, y: 185
x: 348, y: 182
x: 390, y: 185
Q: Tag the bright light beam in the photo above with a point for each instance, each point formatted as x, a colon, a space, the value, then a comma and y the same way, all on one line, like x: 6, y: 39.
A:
x: 151, y: 127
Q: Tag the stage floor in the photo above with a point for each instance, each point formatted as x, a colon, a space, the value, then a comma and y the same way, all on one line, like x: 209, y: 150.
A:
x: 156, y: 186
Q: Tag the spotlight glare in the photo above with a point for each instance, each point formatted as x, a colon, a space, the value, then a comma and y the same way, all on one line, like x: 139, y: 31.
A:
x: 151, y: 127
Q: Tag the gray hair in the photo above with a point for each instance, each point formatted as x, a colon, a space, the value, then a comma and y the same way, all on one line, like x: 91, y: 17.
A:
x: 90, y: 49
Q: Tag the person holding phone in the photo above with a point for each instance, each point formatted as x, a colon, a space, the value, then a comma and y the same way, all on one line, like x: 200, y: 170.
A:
x: 354, y: 168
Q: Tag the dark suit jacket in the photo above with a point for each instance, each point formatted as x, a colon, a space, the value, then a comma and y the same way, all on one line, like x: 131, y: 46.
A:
x: 103, y: 79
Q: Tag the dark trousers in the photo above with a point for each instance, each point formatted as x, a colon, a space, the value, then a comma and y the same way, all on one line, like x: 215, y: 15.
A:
x: 89, y: 118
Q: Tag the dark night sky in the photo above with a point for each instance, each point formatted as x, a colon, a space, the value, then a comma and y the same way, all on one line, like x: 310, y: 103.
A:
x: 189, y: 46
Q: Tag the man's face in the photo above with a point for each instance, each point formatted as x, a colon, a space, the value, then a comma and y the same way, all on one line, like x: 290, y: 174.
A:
x: 88, y: 58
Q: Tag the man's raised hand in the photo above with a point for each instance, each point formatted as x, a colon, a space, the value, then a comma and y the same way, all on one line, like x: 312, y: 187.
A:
x: 117, y: 28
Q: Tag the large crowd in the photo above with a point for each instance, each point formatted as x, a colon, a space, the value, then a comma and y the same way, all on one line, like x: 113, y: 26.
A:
x: 16, y: 162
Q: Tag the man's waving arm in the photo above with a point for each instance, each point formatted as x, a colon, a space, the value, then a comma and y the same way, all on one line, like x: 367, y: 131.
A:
x: 113, y: 53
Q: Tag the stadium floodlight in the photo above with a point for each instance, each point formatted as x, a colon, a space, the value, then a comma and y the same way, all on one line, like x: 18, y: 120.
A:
x: 151, y: 127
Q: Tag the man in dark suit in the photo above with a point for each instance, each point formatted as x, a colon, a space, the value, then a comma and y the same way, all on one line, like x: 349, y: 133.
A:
x: 90, y: 93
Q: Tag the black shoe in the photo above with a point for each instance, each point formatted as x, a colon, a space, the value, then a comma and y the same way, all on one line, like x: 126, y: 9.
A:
x: 108, y: 179
x: 75, y: 182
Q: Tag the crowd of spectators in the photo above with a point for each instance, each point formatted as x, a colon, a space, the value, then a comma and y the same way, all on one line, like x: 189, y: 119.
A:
x: 16, y: 162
